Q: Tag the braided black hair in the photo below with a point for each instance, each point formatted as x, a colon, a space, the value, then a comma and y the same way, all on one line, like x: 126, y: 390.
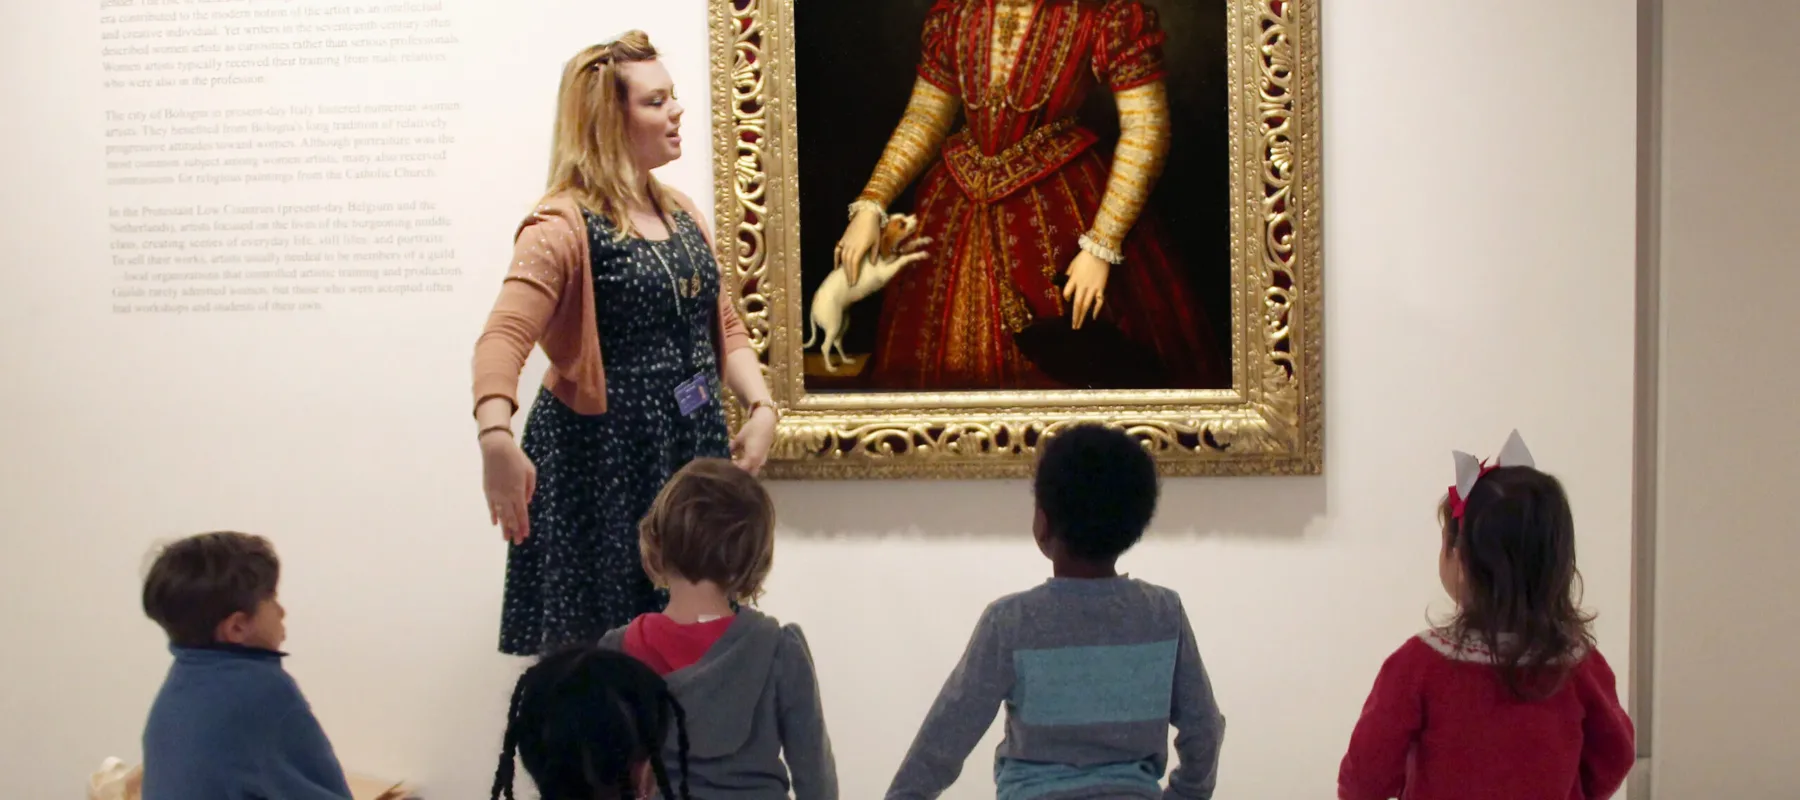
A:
x: 583, y: 719
x: 503, y: 774
x: 681, y: 738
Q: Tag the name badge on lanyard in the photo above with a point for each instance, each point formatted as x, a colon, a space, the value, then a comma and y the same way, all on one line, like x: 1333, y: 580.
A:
x: 692, y: 395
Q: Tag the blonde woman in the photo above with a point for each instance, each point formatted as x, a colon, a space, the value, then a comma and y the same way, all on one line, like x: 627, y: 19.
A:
x: 612, y: 262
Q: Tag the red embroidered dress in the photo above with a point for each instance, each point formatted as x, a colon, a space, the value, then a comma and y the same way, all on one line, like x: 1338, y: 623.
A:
x: 1008, y: 198
x: 1439, y: 725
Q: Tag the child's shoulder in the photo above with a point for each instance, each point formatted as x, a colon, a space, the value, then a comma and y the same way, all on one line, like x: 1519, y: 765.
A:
x: 255, y: 686
x: 1593, y: 667
x: 1014, y: 602
x: 277, y: 686
x: 1072, y: 596
x: 1427, y: 649
x: 790, y: 632
x: 1156, y: 592
x: 789, y: 639
x: 615, y: 638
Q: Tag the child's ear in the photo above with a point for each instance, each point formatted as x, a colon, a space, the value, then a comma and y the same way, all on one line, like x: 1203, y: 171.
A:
x: 648, y: 560
x: 235, y: 629
x: 1046, y: 538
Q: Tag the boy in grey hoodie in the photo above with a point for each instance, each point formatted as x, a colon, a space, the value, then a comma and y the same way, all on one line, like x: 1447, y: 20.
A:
x: 755, y: 726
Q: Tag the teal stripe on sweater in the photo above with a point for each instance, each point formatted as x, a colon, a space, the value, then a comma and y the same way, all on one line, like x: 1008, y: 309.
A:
x: 1024, y: 780
x: 1094, y: 685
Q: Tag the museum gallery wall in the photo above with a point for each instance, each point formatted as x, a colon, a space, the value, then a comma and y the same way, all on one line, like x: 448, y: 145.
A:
x: 1475, y: 252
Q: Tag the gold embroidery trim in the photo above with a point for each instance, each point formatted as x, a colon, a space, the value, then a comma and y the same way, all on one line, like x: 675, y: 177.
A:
x: 989, y: 178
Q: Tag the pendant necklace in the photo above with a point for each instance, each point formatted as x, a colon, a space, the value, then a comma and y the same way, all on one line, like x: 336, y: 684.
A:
x: 678, y: 287
x: 1010, y: 17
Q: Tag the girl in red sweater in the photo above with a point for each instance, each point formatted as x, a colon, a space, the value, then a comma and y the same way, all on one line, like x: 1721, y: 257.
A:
x: 1510, y: 700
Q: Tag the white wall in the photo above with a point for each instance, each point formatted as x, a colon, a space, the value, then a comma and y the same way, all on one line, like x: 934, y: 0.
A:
x: 1479, y: 247
x: 1725, y: 595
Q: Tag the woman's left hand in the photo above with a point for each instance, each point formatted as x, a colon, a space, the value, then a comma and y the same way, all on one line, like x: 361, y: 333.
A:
x: 1086, y: 288
x: 750, y: 448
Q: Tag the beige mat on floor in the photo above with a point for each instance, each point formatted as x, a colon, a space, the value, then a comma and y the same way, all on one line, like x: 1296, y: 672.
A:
x: 115, y: 781
x: 363, y: 787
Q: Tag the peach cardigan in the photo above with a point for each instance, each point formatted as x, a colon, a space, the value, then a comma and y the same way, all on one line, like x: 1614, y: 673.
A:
x: 548, y: 299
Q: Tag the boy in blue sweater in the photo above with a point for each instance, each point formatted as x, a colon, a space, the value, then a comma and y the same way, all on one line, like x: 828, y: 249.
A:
x: 229, y: 722
x: 1093, y: 668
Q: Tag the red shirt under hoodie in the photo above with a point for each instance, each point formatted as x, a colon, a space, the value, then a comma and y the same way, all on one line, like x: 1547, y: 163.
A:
x: 1439, y: 724
x: 666, y: 645
x: 754, y: 725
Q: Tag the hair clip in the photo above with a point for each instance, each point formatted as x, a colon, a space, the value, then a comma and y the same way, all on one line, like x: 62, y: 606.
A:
x: 1470, y: 469
x: 606, y: 55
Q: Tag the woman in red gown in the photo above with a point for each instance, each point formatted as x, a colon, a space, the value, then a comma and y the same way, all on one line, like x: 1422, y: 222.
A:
x: 1033, y: 223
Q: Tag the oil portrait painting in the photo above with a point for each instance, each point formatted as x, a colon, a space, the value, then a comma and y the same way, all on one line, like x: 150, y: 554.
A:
x: 961, y: 224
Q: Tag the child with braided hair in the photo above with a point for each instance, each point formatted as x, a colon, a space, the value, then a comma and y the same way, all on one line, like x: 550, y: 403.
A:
x: 589, y: 724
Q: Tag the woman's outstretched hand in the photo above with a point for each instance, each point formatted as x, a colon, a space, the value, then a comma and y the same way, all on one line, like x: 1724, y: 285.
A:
x: 509, y: 479
x: 750, y: 448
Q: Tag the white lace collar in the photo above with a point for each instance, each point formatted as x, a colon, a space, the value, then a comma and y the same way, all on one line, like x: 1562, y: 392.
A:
x: 1470, y: 648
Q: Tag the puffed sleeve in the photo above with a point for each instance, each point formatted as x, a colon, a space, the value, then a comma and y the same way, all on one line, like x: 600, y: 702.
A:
x: 937, y: 52
x: 1128, y: 51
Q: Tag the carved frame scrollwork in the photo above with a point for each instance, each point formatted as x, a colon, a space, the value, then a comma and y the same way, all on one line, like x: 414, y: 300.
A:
x: 1269, y: 423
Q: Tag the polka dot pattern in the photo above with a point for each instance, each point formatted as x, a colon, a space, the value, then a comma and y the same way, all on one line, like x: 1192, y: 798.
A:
x: 579, y: 574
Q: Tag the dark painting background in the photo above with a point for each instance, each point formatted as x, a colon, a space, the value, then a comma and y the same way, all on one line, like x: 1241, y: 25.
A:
x: 855, y: 66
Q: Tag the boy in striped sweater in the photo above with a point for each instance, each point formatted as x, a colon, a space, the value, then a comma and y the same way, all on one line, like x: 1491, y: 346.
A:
x: 1093, y: 667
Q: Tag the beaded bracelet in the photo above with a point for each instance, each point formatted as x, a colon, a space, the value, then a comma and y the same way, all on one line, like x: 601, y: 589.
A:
x: 768, y: 404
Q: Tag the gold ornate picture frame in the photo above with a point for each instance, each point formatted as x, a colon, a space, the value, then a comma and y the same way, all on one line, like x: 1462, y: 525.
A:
x: 1269, y: 422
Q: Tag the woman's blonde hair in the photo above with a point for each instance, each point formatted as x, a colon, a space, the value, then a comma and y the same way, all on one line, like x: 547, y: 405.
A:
x: 590, y: 156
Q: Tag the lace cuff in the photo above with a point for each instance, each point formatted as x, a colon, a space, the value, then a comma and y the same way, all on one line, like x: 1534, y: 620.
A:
x: 1107, y: 254
x: 865, y: 204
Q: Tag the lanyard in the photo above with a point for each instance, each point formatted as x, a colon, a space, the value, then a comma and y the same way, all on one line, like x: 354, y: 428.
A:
x: 675, y: 236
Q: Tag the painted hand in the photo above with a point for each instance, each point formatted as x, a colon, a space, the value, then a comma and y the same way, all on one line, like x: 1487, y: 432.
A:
x: 1086, y: 290
x: 858, y: 244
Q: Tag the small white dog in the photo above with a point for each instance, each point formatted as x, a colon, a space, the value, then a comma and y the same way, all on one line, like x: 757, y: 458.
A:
x: 895, y: 250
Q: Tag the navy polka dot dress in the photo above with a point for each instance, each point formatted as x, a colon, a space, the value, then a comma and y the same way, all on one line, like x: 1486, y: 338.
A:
x: 579, y: 575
